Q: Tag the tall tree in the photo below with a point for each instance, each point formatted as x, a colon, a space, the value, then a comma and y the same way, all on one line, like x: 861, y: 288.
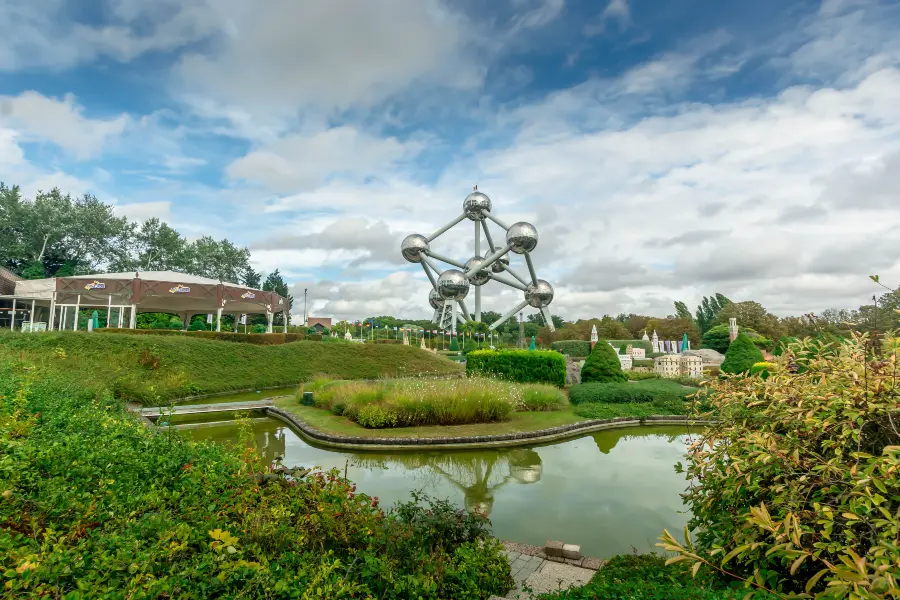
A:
x: 275, y: 283
x: 682, y: 312
x: 251, y: 278
x: 220, y: 260
x: 708, y: 310
x: 752, y: 315
x: 158, y: 247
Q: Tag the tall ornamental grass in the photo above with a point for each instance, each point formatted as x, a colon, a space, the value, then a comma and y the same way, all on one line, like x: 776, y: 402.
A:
x: 411, y: 402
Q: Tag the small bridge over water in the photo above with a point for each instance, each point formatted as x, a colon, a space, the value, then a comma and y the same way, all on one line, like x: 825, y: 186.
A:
x: 155, y: 412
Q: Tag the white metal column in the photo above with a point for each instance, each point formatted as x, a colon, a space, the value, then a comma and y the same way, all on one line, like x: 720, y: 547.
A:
x: 51, y: 325
x: 77, y: 305
x: 12, y: 316
x: 219, y: 319
x: 31, y: 321
x: 478, y: 287
x: 133, y: 323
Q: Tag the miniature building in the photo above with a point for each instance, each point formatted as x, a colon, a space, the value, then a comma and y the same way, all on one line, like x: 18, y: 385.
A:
x: 638, y: 353
x: 678, y: 365
x: 624, y: 361
x: 691, y: 366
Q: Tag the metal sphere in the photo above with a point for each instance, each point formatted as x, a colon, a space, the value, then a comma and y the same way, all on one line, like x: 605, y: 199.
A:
x: 413, y: 246
x: 539, y: 295
x: 497, y: 266
x: 522, y: 237
x: 435, y: 300
x: 453, y: 285
x: 475, y: 204
x: 479, y: 277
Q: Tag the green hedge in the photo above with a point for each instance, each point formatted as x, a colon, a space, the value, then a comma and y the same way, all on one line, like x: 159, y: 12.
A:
x: 263, y: 339
x: 579, y: 348
x: 521, y: 366
x: 642, y: 362
x: 602, y: 365
x: 650, y: 390
x: 741, y: 356
x: 388, y: 341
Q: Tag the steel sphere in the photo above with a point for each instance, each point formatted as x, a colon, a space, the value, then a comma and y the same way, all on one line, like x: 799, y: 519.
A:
x: 522, y: 237
x: 479, y: 277
x: 497, y: 266
x: 475, y: 204
x: 435, y: 300
x: 413, y: 246
x: 539, y: 295
x: 453, y: 285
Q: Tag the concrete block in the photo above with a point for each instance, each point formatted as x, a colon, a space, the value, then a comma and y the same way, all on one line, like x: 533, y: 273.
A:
x: 553, y: 548
x: 571, y: 551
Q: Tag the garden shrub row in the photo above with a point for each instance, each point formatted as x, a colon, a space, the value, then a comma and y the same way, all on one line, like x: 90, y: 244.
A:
x: 642, y: 362
x: 99, y: 506
x: 263, y: 339
x: 521, y: 366
x: 650, y: 390
x: 645, y: 344
x: 576, y: 348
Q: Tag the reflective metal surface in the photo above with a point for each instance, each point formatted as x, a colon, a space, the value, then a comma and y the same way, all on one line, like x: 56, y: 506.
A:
x: 475, y: 204
x: 501, y: 262
x: 480, y: 277
x: 434, y: 299
x: 453, y: 285
x: 540, y: 295
x: 522, y: 237
x: 413, y: 246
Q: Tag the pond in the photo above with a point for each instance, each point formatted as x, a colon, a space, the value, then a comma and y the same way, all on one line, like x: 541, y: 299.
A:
x: 609, y: 491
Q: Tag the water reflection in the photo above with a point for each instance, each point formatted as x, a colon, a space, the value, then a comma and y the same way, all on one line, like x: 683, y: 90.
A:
x: 608, y: 501
x: 476, y: 474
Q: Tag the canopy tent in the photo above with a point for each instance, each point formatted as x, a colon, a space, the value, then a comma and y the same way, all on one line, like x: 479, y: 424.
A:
x: 149, y: 291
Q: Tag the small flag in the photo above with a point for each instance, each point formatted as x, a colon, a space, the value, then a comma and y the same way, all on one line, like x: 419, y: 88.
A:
x: 243, y: 319
x: 209, y: 318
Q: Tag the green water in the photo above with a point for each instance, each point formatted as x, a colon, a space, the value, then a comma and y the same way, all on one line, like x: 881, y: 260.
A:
x: 608, y: 491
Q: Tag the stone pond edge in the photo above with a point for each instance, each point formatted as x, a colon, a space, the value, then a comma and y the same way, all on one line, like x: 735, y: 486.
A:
x: 348, y: 442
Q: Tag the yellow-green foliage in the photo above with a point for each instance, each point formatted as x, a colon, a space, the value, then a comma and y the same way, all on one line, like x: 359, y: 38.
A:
x: 798, y: 487
x: 411, y: 402
x: 151, y: 369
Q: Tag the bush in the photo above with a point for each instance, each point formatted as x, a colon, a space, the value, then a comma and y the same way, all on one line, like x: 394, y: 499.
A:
x: 798, y: 489
x: 642, y: 362
x: 646, y: 345
x: 577, y: 348
x: 762, y: 368
x: 640, y: 375
x: 623, y: 393
x: 259, y: 329
x: 198, y: 325
x: 647, y: 577
x: 389, y: 341
x: 264, y: 339
x: 521, y: 366
x: 782, y: 344
x: 741, y: 356
x: 454, y: 344
x: 602, y: 365
x: 134, y: 512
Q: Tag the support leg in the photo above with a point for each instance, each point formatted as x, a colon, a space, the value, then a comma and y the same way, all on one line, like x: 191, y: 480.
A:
x: 478, y: 288
x: 508, y: 315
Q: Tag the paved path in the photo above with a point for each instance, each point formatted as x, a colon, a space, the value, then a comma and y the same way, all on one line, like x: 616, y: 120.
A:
x: 542, y: 575
x: 156, y: 411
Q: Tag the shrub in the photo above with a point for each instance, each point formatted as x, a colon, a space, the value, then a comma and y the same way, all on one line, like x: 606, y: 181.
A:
x: 646, y: 345
x: 375, y: 416
x: 539, y: 398
x: 647, y: 577
x: 198, y: 325
x: 640, y: 375
x: 521, y: 366
x: 258, y: 329
x: 762, y: 368
x: 602, y: 365
x: 388, y: 341
x: 454, y: 344
x: 782, y: 344
x: 797, y: 489
x: 741, y: 355
x: 577, y: 348
x: 134, y: 512
x: 624, y: 393
x: 642, y: 362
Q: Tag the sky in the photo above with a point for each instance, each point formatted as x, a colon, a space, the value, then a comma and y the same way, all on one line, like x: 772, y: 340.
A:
x: 663, y: 150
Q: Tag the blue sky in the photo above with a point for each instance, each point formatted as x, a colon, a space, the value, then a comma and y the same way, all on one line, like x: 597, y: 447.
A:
x: 664, y: 150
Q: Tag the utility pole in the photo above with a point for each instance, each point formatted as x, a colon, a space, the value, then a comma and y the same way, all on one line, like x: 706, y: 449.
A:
x: 305, y: 314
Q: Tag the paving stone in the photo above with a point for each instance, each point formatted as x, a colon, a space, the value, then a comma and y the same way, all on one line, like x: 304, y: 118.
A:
x: 571, y: 551
x: 553, y: 576
x: 592, y: 563
x: 553, y: 548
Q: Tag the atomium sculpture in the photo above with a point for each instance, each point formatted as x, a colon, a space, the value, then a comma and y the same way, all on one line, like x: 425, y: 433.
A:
x: 450, y: 287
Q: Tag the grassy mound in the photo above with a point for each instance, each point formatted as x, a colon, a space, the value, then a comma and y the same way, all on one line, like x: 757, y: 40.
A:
x: 410, y: 403
x: 154, y: 369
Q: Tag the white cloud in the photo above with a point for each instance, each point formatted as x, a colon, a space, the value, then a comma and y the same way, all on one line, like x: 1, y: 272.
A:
x: 61, y: 122
x: 298, y: 162
x: 141, y: 211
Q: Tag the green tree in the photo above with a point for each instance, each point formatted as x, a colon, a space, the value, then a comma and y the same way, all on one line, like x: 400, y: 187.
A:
x: 220, y: 260
x: 602, y: 365
x: 742, y: 354
x: 708, y: 310
x: 751, y: 315
x: 275, y: 283
x: 251, y: 278
x: 158, y: 247
x: 682, y: 312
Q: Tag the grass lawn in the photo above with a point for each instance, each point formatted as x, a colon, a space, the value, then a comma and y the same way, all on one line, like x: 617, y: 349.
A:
x: 154, y: 369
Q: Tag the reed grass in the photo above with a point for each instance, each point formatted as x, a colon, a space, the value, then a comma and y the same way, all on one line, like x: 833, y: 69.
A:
x: 415, y: 402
